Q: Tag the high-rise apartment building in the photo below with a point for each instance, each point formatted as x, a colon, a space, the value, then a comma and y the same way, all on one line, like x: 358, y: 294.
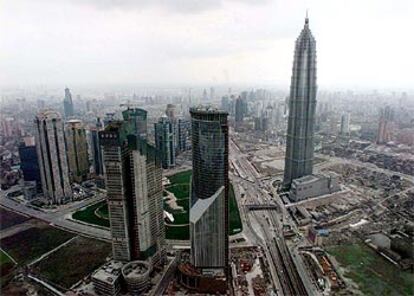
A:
x: 51, y: 154
x: 385, y: 125
x: 8, y: 126
x: 165, y: 141
x: 209, y: 190
x: 68, y: 104
x: 133, y: 180
x: 302, y: 104
x: 77, y: 149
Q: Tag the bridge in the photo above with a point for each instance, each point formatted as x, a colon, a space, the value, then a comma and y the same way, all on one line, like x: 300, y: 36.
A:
x: 260, y: 207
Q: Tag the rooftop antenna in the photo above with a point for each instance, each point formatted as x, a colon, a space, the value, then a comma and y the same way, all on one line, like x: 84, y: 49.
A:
x: 307, y: 17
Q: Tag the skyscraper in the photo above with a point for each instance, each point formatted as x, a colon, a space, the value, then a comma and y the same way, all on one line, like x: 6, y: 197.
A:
x: 165, y: 141
x: 97, y: 160
x: 239, y: 110
x: 184, y: 130
x: 170, y: 112
x: 137, y: 120
x: 385, y: 125
x: 134, y: 191
x: 51, y: 154
x: 29, y: 163
x: 345, y: 118
x: 302, y: 104
x: 209, y: 189
x: 68, y: 104
x: 77, y: 148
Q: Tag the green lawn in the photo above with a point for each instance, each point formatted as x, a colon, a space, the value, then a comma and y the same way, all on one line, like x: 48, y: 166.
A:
x: 31, y: 243
x: 181, y: 178
x: 88, y: 214
x: 180, y: 186
x: 103, y: 211
x: 373, y: 274
x: 74, y: 261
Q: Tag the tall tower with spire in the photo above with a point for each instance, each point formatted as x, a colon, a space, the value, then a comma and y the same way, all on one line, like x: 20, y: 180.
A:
x: 302, y: 105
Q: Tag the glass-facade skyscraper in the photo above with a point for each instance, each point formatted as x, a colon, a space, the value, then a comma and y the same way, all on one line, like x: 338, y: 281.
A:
x: 165, y: 141
x: 209, y: 189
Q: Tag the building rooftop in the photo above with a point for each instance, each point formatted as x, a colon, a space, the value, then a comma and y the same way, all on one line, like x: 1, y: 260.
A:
x: 48, y: 114
x: 306, y: 179
x: 108, y: 272
x: 207, y: 109
x: 136, y: 269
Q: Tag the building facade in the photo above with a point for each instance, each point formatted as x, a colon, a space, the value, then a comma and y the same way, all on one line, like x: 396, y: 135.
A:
x: 385, y: 125
x: 29, y: 163
x: 97, y: 159
x: 184, y: 131
x: 165, y: 141
x: 302, y: 105
x: 313, y: 185
x: 134, y: 190
x: 77, y: 148
x: 51, y: 154
x: 209, y: 190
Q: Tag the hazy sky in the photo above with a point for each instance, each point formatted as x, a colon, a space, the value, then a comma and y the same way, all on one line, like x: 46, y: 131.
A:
x: 359, y: 42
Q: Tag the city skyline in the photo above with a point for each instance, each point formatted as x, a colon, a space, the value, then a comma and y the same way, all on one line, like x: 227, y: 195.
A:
x: 158, y: 191
x: 211, y: 43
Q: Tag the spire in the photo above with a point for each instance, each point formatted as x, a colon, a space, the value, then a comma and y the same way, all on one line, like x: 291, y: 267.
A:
x: 307, y: 18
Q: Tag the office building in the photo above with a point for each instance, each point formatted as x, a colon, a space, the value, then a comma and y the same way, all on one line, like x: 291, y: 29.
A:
x: 97, y: 161
x: 52, y: 157
x: 29, y: 163
x: 77, y: 149
x: 184, y: 131
x: 107, y: 279
x: 239, y: 110
x: 134, y: 192
x: 165, y: 141
x: 302, y: 104
x: 137, y: 119
x: 170, y: 112
x: 312, y: 186
x: 68, y: 104
x: 209, y: 190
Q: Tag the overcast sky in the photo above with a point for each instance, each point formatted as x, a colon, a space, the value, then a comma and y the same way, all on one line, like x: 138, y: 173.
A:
x: 363, y: 43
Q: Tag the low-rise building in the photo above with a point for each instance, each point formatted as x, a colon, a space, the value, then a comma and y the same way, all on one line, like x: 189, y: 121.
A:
x: 313, y: 186
x: 107, y: 279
